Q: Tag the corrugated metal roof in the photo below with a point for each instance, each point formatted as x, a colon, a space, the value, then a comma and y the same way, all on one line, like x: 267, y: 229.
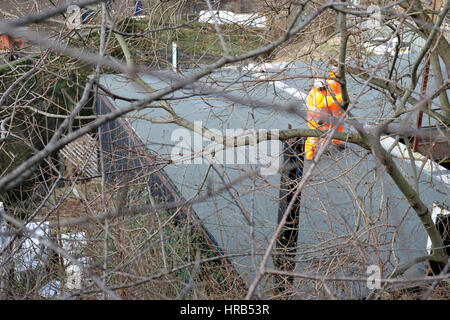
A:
x: 82, y: 154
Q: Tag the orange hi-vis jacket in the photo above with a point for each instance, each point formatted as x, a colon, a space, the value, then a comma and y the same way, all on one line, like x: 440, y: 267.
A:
x: 336, y: 88
x: 319, y: 103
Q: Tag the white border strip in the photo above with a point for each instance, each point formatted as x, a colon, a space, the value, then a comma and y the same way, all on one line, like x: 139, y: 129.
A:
x: 430, y: 167
x: 436, y: 211
x: 261, y: 72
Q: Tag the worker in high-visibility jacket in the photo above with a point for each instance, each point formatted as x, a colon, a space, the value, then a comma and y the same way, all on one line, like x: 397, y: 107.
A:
x: 320, y: 104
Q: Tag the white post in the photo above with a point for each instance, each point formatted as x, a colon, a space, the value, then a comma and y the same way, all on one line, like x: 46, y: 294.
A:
x: 175, y: 57
x: 2, y: 210
x: 73, y: 281
x: 3, y: 242
x: 74, y: 17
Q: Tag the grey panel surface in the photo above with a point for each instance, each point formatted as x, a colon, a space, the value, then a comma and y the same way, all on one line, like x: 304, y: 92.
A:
x: 347, y: 188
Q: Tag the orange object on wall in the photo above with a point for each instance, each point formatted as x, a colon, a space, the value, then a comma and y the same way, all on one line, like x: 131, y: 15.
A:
x: 8, y: 44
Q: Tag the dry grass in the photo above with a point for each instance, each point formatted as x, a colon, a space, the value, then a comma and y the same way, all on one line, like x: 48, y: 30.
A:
x: 135, y: 252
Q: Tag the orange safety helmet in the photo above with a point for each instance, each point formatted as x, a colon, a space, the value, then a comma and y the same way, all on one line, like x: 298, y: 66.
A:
x: 334, y: 72
x: 333, y: 83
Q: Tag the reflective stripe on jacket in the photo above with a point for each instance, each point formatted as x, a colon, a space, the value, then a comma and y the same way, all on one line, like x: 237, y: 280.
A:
x: 334, y: 84
x: 317, y: 105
